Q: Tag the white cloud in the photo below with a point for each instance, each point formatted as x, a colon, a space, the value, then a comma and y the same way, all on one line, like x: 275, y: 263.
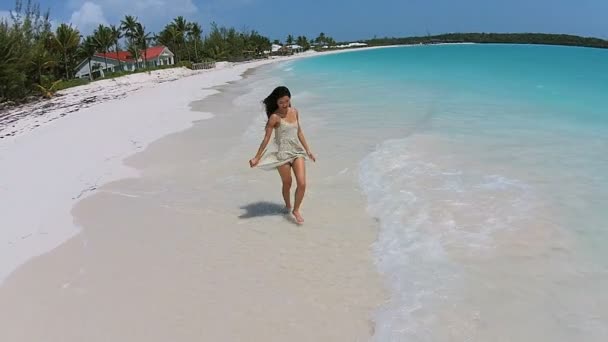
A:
x: 87, y: 17
x: 149, y: 12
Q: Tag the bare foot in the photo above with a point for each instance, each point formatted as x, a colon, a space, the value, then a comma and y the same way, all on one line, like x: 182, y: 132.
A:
x: 299, y: 218
x: 286, y: 210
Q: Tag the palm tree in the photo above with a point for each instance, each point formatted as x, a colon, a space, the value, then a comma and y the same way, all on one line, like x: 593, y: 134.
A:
x: 129, y: 27
x: 104, y: 40
x: 289, y: 40
x: 142, y: 40
x: 181, y: 27
x: 303, y: 42
x: 260, y: 42
x: 195, y: 34
x: 320, y: 39
x: 215, y: 45
x: 41, y: 60
x: 66, y: 40
x: 133, y: 51
x: 168, y: 37
x: 116, y: 35
x: 87, y: 50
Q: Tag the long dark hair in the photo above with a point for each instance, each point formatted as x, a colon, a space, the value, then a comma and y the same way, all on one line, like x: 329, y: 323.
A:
x: 271, y: 100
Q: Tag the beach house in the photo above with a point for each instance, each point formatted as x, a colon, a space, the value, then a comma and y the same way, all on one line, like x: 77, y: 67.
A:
x: 123, y: 60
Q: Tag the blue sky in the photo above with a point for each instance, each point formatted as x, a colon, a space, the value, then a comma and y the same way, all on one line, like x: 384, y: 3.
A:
x: 344, y: 20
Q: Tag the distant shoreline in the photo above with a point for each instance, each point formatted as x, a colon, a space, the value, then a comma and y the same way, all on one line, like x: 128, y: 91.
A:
x: 495, y: 38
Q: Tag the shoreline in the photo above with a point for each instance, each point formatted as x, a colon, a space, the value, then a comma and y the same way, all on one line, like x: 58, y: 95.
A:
x: 306, y: 282
x: 88, y: 165
x: 80, y: 174
x: 21, y: 119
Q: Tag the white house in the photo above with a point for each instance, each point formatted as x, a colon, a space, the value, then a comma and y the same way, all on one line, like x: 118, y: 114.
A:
x: 155, y: 56
x: 296, y: 48
x: 275, y: 47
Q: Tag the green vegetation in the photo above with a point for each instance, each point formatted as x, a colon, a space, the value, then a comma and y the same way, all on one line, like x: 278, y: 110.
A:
x: 324, y: 40
x: 37, y: 60
x: 71, y: 83
x: 502, y: 38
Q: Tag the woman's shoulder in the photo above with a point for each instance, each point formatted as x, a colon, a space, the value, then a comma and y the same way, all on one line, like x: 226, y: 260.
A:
x: 274, y: 118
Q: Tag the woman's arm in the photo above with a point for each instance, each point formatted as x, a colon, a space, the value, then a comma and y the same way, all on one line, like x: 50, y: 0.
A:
x: 270, y: 125
x: 303, y: 140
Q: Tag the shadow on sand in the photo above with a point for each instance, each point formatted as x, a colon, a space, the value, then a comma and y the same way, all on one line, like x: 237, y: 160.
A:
x: 260, y: 209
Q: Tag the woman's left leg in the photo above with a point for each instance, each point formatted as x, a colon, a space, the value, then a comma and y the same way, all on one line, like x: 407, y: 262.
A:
x: 299, y: 170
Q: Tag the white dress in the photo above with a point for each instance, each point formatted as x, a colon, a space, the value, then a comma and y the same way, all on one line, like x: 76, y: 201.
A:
x: 289, y: 147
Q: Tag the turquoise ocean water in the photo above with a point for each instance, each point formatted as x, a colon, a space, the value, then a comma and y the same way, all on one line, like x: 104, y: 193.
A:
x: 486, y: 167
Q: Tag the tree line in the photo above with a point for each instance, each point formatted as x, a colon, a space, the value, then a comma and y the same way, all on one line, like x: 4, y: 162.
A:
x: 318, y: 42
x: 35, y: 58
x: 500, y: 38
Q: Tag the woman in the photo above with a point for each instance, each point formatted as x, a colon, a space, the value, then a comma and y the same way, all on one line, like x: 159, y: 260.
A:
x: 292, y: 147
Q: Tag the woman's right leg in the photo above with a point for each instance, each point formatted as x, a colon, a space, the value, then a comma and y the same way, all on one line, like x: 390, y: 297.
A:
x: 285, y: 173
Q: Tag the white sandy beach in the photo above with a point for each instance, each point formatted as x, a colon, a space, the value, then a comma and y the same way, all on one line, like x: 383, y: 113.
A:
x: 97, y: 250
